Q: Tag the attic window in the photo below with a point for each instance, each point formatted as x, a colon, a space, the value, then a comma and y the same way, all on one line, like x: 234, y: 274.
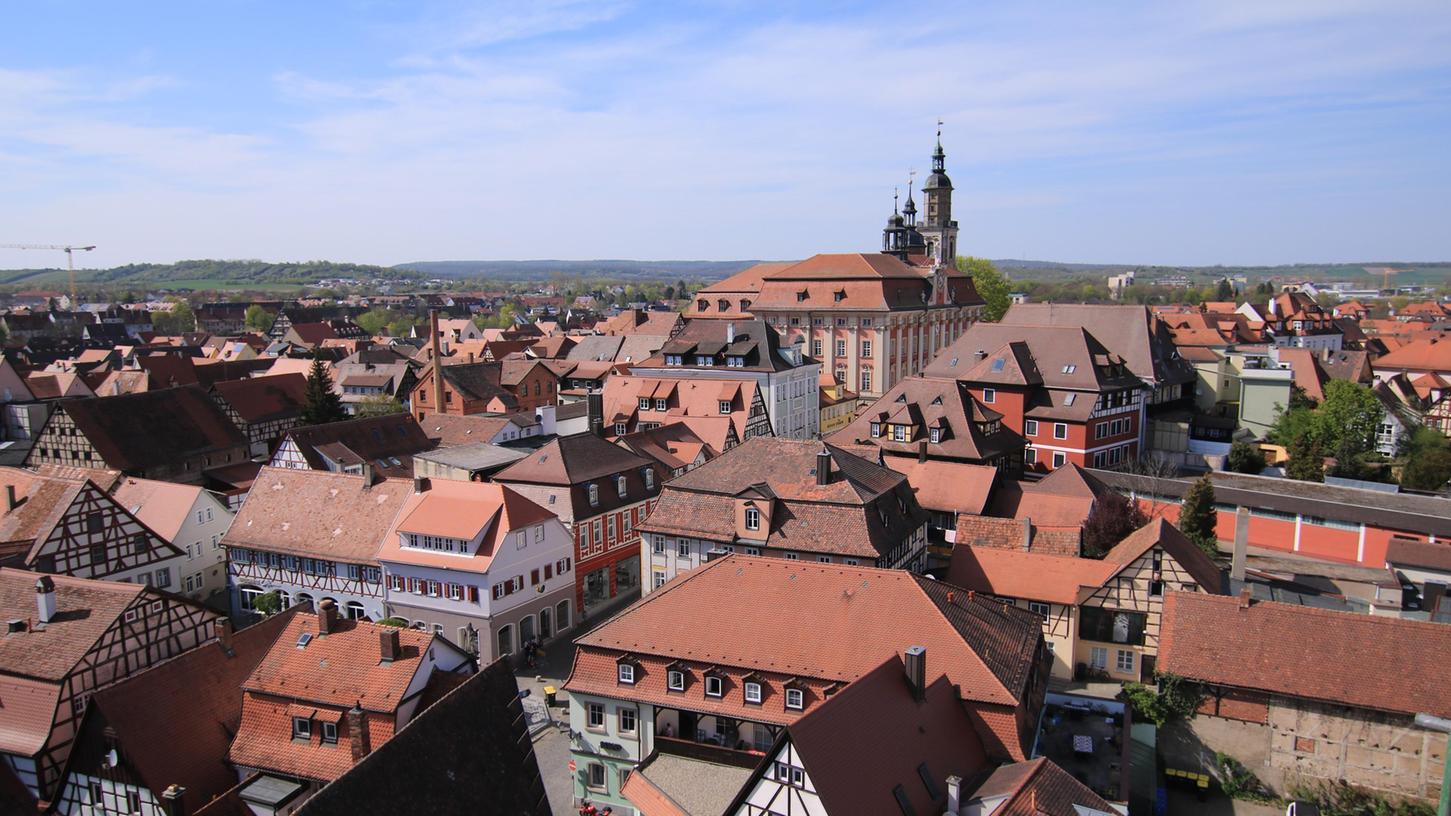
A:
x: 801, y: 296
x: 937, y: 400
x: 998, y: 364
x: 838, y: 296
x: 936, y: 435
x: 876, y: 429
x: 902, y: 398
x: 1070, y: 368
x: 1069, y: 399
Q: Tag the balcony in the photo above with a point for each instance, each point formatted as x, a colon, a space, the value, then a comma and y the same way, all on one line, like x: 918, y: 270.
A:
x: 709, y: 731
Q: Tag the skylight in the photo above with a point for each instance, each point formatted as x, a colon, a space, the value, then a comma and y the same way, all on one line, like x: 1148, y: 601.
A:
x: 1070, y: 368
x: 304, y: 639
x: 998, y: 364
x: 1068, y: 400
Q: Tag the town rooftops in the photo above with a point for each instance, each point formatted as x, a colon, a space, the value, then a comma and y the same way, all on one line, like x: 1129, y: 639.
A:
x: 259, y: 399
x: 1037, y: 787
x: 41, y: 501
x: 754, y: 343
x: 1341, y: 658
x: 84, y: 610
x: 460, y: 510
x: 1429, y: 354
x: 137, y: 431
x: 1429, y: 555
x: 789, y: 466
x: 317, y: 513
x: 377, y: 440
x: 1057, y: 357
x: 1132, y: 331
x: 925, y: 403
x: 950, y: 487
x: 1063, y: 498
x: 755, y: 613
x: 571, y: 460
x: 857, y: 281
x: 473, y: 456
x: 162, y: 506
x: 480, y: 726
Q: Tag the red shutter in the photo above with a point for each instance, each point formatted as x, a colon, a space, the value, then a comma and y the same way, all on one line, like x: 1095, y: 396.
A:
x: 473, y: 594
x: 548, y: 571
x: 533, y: 577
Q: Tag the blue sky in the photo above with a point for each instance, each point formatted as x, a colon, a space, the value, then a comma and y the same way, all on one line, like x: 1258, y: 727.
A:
x: 1223, y: 131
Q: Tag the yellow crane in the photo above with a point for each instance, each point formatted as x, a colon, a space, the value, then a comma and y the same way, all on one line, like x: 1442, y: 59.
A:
x: 69, y: 260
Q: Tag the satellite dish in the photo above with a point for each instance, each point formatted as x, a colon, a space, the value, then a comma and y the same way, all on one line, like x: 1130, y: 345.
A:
x: 112, y: 760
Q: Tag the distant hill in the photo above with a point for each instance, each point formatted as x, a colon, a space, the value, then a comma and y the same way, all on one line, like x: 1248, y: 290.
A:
x: 203, y: 274
x: 545, y: 270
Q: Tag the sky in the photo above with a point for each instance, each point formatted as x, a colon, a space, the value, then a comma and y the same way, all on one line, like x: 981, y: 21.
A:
x: 1222, y: 131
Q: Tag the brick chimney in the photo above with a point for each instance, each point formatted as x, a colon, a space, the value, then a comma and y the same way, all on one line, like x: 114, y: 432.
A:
x: 1244, y: 598
x: 914, y: 661
x: 173, y: 800
x: 11, y: 501
x: 1027, y: 533
x: 1241, y: 544
x: 327, y: 616
x: 358, y: 733
x: 823, y: 467
x: 437, y: 361
x: 954, y: 794
x: 388, y: 648
x: 222, y: 630
x: 922, y: 451
x: 44, y: 599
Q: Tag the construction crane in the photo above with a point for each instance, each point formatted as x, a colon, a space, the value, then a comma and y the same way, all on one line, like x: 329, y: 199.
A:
x: 69, y: 260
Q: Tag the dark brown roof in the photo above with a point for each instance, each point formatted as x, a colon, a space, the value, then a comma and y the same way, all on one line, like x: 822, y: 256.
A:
x: 261, y: 399
x: 201, y: 693
x: 491, y: 767
x: 1343, y: 658
x: 755, y: 342
x: 1037, y: 787
x: 480, y: 381
x: 377, y: 440
x: 1132, y: 331
x: 934, y: 402
x: 572, y: 460
x: 1434, y: 555
x: 137, y: 431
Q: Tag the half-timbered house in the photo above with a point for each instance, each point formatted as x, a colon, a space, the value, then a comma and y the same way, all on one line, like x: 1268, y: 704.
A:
x: 717, y: 660
x: 310, y: 535
x: 67, y: 638
x: 1100, y: 617
x: 263, y: 408
x: 386, y: 442
x: 129, y: 759
x: 193, y: 519
x: 74, y: 527
x: 173, y: 434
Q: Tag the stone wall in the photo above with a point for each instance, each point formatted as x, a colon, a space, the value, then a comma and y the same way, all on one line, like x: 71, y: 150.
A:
x: 1383, y: 752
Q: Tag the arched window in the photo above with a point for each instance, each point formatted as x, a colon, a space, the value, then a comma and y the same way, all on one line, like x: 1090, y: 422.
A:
x: 561, y: 616
x: 506, y: 640
x: 355, y: 610
x: 303, y: 598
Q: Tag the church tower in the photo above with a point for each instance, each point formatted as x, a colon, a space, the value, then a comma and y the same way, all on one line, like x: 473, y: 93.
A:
x: 937, y: 226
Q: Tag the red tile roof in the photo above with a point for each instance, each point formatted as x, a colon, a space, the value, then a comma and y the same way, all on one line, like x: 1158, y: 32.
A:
x: 317, y: 513
x: 1431, y: 354
x: 260, y: 399
x: 459, y: 509
x: 1344, y: 658
x: 952, y: 487
x: 1038, y: 787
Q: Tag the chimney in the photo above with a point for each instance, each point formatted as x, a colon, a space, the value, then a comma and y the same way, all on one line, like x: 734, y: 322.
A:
x: 471, y: 356
x: 357, y: 733
x: 823, y: 467
x: 914, y: 660
x: 922, y: 451
x: 327, y: 616
x: 595, y: 410
x: 1241, y: 544
x: 174, y: 800
x: 367, y: 474
x: 420, y: 484
x: 11, y: 501
x: 388, y: 649
x: 731, y: 332
x: 222, y: 630
x: 1244, y: 598
x: 44, y: 599
x: 437, y: 361
x: 546, y: 416
x: 1027, y: 533
x: 954, y: 794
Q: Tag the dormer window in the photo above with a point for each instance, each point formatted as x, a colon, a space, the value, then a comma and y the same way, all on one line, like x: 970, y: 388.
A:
x: 795, y: 699
x: 702, y: 304
x: 621, y: 428
x: 753, y: 518
x: 621, y: 485
x: 675, y: 680
x: 714, y: 685
x: 736, y: 362
x: 301, y: 728
x: 644, y: 403
x: 745, y: 304
x: 723, y: 304
x: 725, y: 406
x: 838, y: 296
x: 674, y: 360
x: 594, y: 495
x: 900, y: 434
x: 649, y: 478
x: 330, y: 733
x: 660, y: 404
x: 801, y: 296
x: 989, y: 396
x: 936, y: 435
x: 627, y: 674
x: 753, y: 692
x: 704, y: 360
x: 876, y: 429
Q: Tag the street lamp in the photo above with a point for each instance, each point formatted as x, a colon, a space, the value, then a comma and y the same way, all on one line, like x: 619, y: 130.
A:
x: 1430, y: 722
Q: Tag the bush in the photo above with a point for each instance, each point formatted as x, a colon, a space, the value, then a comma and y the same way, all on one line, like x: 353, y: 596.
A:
x: 1340, y: 799
x: 1239, y: 782
x: 1246, y: 458
x: 1175, y: 699
x: 1112, y: 518
x: 397, y: 622
x: 268, y: 603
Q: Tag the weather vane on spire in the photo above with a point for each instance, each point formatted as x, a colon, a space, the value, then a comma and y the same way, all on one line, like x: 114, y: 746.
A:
x: 895, y: 190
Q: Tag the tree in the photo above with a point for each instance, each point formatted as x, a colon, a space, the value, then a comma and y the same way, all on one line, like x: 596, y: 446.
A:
x: 1307, y: 462
x: 378, y: 405
x: 1346, y: 422
x: 1112, y: 518
x: 176, y: 321
x: 374, y: 321
x: 1246, y: 458
x: 991, y: 284
x: 259, y: 319
x: 1428, y: 461
x: 1197, y: 515
x: 1225, y: 290
x: 321, y: 404
x: 268, y: 603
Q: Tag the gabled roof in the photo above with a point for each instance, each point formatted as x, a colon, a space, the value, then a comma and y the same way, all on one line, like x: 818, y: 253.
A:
x: 933, y: 402
x: 1309, y: 376
x: 1343, y: 658
x: 1024, y: 574
x: 1160, y: 533
x: 261, y: 399
x: 674, y: 445
x: 162, y: 506
x: 1063, y: 498
x: 953, y: 487
x: 571, y: 460
x: 43, y: 500
x: 449, y: 430
x: 1065, y: 357
x: 136, y: 431
x: 457, y: 509
x: 1131, y: 331
x: 1430, y: 354
x: 478, y: 381
x: 366, y: 439
x: 751, y: 613
x: 201, y: 692
x: 1037, y: 787
x: 789, y: 467
x: 84, y: 610
x: 317, y: 513
x: 480, y: 726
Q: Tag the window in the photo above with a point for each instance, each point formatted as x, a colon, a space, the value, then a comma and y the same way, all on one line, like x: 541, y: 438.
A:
x: 659, y: 546
x: 1124, y: 661
x: 301, y: 728
x: 866, y: 379
x: 627, y: 674
x: 621, y: 428
x: 753, y: 551
x: 1039, y: 609
x: 596, y: 716
x: 989, y: 395
x: 675, y: 680
x: 596, y: 775
x: 899, y: 433
x: 621, y: 486
x: 649, y: 478
x: 714, y: 686
x: 1060, y: 430
x: 876, y: 429
x: 815, y: 348
x: 753, y: 693
x: 1059, y: 459
x: 1030, y: 456
x: 330, y: 733
x: 795, y: 699
x: 682, y: 548
x: 841, y: 348
x: 791, y: 556
x: 1098, y: 658
x: 659, y: 578
x: 866, y: 348
x: 644, y: 403
x: 725, y: 406
x: 935, y: 435
x: 594, y: 495
x: 627, y: 721
x: 753, y: 518
x: 1030, y: 427
x: 163, y: 578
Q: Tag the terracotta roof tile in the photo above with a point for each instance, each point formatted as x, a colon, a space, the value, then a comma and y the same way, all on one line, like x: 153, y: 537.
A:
x: 317, y: 513
x: 84, y: 610
x: 137, y: 431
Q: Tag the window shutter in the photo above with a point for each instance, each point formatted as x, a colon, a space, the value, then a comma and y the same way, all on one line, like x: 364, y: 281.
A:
x: 474, y: 594
x: 548, y: 571
x: 533, y: 576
